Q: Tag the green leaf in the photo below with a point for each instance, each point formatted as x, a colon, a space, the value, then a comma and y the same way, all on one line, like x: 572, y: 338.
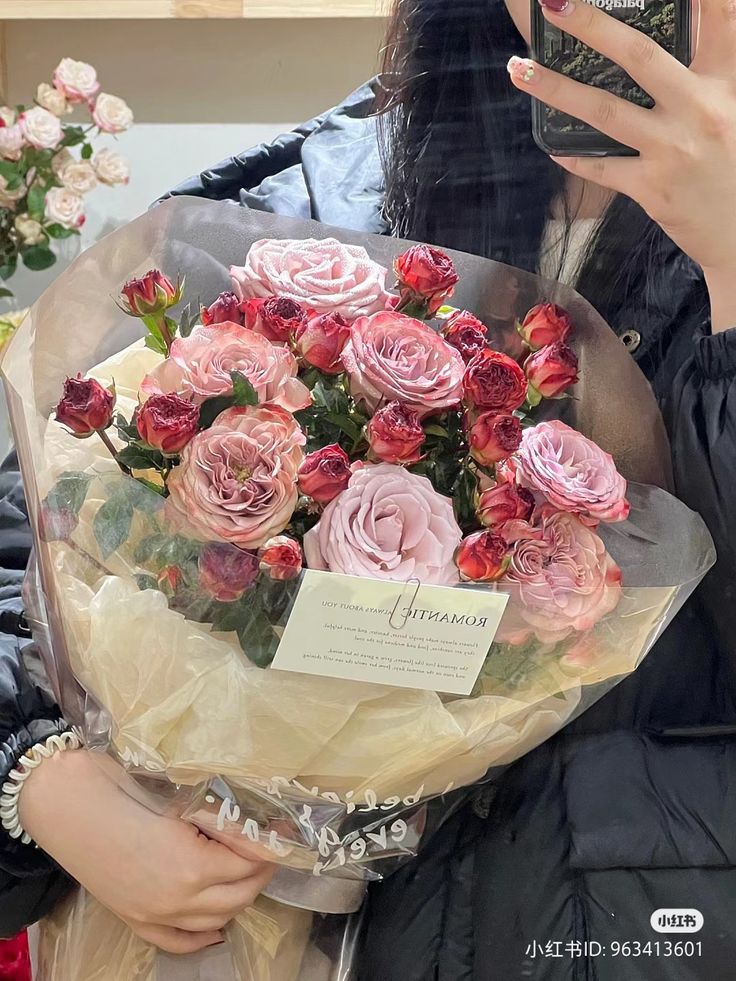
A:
x: 9, y: 170
x: 149, y: 548
x: 38, y: 257
x: 36, y: 201
x: 4, y: 292
x: 154, y: 344
x: 188, y: 319
x: 144, y: 496
x: 73, y: 136
x: 58, y: 231
x: 87, y: 151
x: 111, y: 525
x: 243, y: 391
x: 138, y: 458
x: 127, y: 431
x: 434, y: 430
x: 69, y: 492
x: 146, y: 582
x: 8, y: 268
x: 212, y: 408
x: 346, y: 425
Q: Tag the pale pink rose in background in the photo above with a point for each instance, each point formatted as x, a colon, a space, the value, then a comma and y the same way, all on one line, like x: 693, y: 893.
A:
x: 12, y: 142
x: 562, y: 578
x: 76, y: 79
x: 112, y: 114
x: 571, y: 472
x: 237, y: 481
x: 199, y: 367
x: 30, y: 230
x: 111, y: 168
x: 78, y: 176
x: 387, y: 524
x: 8, y: 116
x: 9, y: 199
x: 41, y: 128
x: 65, y: 207
x: 390, y: 357
x: 52, y: 99
x: 325, y: 276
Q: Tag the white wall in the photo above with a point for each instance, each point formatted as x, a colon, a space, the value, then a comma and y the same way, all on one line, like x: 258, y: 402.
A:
x: 201, y: 90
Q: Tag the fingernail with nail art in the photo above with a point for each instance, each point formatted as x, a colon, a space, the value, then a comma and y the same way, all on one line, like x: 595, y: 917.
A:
x: 559, y: 7
x: 522, y: 70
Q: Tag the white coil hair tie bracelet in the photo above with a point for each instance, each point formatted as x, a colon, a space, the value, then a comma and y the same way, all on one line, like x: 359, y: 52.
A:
x: 33, y: 758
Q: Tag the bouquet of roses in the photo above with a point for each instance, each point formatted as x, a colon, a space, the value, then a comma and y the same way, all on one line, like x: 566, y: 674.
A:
x: 221, y: 491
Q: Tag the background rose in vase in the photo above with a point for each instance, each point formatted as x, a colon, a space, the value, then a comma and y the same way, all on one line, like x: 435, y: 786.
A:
x: 48, y: 163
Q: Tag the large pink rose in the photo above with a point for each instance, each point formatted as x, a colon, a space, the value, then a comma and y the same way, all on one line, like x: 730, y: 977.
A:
x: 571, y: 472
x: 237, y: 481
x: 564, y: 579
x: 388, y: 524
x: 325, y: 276
x: 390, y: 357
x: 199, y: 367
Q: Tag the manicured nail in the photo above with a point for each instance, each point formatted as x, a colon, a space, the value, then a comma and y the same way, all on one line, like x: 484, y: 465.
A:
x: 563, y: 8
x: 522, y: 70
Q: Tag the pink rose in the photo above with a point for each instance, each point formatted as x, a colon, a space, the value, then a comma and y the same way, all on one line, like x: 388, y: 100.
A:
x: 571, y: 472
x: 281, y: 558
x: 395, y: 435
x: 388, y: 524
x: 226, y: 572
x: 390, y: 357
x: 503, y: 503
x: 225, y: 309
x: 149, y: 294
x: 545, y: 324
x: 237, y: 481
x: 41, y: 128
x: 321, y: 342
x: 427, y: 277
x: 551, y: 371
x: 199, y: 367
x: 325, y: 276
x: 325, y: 473
x: 564, y: 579
x: 276, y: 318
x: 76, y: 79
x: 12, y: 142
x: 494, y: 438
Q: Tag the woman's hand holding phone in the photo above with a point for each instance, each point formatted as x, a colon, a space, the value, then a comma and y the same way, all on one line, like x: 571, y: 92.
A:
x: 685, y: 174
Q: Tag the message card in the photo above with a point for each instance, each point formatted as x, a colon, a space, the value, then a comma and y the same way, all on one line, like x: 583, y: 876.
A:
x: 406, y: 635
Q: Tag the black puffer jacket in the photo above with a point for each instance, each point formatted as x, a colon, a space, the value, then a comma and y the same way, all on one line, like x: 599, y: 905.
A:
x: 631, y: 809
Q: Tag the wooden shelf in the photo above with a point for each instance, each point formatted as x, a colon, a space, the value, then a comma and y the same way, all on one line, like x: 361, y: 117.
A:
x: 192, y: 9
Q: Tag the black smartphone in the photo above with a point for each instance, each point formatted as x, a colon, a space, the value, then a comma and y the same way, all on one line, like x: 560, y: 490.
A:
x: 668, y: 22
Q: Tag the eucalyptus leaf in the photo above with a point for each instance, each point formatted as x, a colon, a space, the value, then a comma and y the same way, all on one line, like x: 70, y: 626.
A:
x: 69, y: 492
x: 111, y: 524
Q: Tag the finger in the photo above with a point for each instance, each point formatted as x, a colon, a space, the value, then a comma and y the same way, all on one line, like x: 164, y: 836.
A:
x: 657, y: 72
x: 175, y: 941
x: 716, y: 38
x: 223, y: 865
x: 621, y: 120
x: 233, y: 897
x: 616, y: 173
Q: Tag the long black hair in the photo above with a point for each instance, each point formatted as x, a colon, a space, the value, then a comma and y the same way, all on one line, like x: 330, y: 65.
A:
x: 462, y: 168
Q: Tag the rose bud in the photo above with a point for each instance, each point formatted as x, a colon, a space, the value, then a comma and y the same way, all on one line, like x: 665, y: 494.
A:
x: 395, y: 435
x: 427, y: 277
x: 321, y: 340
x: 551, y: 371
x: 494, y: 382
x: 167, y: 422
x: 494, y: 438
x: 151, y: 294
x: 281, y: 558
x: 483, y: 557
x: 466, y: 333
x: 225, y: 309
x: 57, y: 524
x: 545, y: 324
x: 169, y: 580
x: 276, y: 318
x: 226, y: 572
x: 503, y: 503
x: 86, y: 407
x: 325, y: 474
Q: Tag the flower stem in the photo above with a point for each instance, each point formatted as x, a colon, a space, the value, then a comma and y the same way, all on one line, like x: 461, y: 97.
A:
x: 87, y: 557
x: 113, y: 452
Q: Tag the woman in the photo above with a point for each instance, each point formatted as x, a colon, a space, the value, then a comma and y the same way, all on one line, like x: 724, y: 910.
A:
x: 628, y: 810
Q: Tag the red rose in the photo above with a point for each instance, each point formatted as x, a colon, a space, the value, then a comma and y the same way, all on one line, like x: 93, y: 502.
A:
x: 395, y: 435
x: 321, y: 340
x: 85, y: 407
x: 466, y: 333
x: 494, y: 438
x: 427, y: 277
x: 503, y: 503
x: 277, y: 318
x: 494, y: 382
x: 483, y: 557
x: 225, y: 309
x: 325, y: 474
x: 167, y: 422
x: 226, y: 572
x: 152, y: 293
x: 545, y: 324
x: 551, y: 371
x: 281, y: 558
x: 169, y: 580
